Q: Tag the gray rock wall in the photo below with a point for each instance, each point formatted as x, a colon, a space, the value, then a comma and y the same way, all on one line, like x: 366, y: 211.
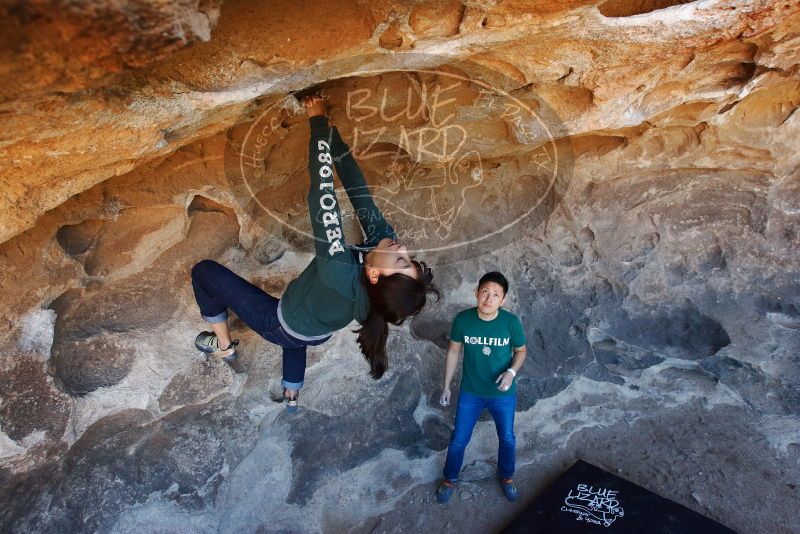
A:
x: 646, y: 211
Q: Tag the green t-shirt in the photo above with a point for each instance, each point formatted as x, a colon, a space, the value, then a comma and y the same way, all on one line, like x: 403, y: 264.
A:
x: 487, y: 349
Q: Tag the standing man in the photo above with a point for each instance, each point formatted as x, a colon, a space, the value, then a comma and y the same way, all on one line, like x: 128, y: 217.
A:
x: 494, y: 350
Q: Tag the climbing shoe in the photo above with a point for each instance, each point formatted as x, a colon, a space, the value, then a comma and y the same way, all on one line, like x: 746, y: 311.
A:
x: 209, y: 343
x: 509, y: 489
x: 291, y: 404
x: 444, y: 491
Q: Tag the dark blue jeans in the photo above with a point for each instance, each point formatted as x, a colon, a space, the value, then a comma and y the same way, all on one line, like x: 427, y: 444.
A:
x: 467, y: 413
x: 217, y: 288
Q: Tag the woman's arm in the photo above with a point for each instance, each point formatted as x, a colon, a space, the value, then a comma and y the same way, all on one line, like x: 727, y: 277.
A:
x: 323, y: 207
x: 336, y: 265
x: 372, y: 221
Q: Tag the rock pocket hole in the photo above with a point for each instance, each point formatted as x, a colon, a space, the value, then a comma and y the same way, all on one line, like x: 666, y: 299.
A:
x: 738, y: 74
x: 391, y: 39
x: 629, y: 8
x: 436, y: 19
x: 77, y: 239
x: 206, y: 205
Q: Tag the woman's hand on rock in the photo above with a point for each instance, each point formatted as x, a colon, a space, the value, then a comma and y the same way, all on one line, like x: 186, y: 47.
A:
x: 314, y: 104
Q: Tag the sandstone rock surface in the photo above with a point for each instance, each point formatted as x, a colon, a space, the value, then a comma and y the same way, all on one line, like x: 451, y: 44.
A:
x: 631, y: 165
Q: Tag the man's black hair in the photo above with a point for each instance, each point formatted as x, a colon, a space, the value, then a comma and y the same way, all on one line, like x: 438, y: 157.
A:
x: 495, y: 277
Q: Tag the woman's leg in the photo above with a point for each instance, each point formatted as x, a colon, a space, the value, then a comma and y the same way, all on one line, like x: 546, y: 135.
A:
x: 294, y: 368
x: 217, y: 289
x: 294, y: 358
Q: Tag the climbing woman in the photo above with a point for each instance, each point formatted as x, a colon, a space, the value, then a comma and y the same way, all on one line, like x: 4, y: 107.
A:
x: 376, y: 283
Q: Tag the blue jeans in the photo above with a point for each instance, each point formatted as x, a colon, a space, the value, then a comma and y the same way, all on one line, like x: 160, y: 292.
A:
x: 467, y: 413
x: 217, y: 288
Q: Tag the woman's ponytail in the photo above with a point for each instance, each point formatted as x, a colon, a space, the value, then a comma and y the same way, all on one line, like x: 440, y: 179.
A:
x: 392, y: 299
x: 372, y: 340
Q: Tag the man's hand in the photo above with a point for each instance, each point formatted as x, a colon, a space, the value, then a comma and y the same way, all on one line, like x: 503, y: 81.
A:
x: 505, y: 379
x: 444, y: 400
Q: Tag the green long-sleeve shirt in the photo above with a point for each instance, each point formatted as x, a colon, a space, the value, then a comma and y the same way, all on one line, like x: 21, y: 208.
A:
x: 330, y: 292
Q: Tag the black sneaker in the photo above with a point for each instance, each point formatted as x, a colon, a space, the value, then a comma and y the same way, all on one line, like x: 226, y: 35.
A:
x: 209, y: 343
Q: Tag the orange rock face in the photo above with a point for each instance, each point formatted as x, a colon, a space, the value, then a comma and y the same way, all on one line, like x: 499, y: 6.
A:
x: 631, y: 165
x: 92, y: 94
